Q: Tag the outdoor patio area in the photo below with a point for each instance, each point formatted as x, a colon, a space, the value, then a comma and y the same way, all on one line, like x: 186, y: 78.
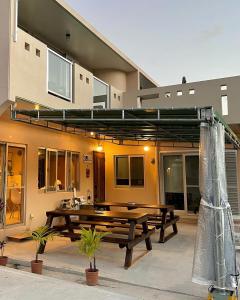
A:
x: 166, y: 270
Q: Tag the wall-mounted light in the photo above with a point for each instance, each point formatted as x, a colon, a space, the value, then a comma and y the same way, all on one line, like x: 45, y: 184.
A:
x: 36, y: 107
x: 99, y: 148
x: 92, y: 133
x: 146, y: 148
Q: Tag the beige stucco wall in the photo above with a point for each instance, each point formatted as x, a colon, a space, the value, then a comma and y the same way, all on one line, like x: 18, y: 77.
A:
x: 116, y: 78
x: 133, y: 194
x: 207, y: 93
x: 116, y: 98
x: 5, y: 32
x: 38, y: 202
x: 28, y: 76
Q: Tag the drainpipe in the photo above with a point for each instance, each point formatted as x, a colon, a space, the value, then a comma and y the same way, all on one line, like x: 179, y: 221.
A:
x: 15, y: 21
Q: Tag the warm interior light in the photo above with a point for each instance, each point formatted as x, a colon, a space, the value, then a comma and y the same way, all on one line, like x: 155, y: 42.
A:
x: 99, y: 148
x: 91, y: 133
x: 36, y: 107
x: 146, y: 148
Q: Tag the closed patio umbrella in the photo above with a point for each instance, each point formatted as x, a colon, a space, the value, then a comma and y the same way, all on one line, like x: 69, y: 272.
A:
x: 215, y: 257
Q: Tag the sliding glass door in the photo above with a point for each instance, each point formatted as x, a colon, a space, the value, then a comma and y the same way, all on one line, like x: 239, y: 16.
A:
x: 173, y: 180
x: 15, y: 184
x: 180, y: 175
x: 2, y: 183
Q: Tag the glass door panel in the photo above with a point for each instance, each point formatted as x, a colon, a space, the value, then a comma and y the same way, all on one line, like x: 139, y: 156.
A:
x: 15, y: 189
x: 2, y: 182
x: 192, y: 182
x: 173, y: 181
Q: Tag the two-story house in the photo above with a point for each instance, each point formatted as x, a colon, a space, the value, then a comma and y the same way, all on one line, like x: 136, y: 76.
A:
x: 51, y: 58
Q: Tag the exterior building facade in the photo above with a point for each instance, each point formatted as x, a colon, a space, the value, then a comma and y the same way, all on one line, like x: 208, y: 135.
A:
x: 53, y: 59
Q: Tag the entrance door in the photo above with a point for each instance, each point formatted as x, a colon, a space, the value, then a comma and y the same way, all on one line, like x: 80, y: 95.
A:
x: 181, y: 181
x: 15, y: 189
x: 99, y: 176
x: 173, y: 181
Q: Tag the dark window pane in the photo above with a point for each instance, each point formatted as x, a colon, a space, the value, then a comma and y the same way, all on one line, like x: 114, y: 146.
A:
x: 122, y: 170
x: 41, y: 168
x: 137, y: 171
x: 51, y: 171
x: 61, y: 171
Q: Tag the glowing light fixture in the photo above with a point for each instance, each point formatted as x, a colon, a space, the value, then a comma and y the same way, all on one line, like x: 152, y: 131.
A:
x: 146, y: 148
x: 36, y: 107
x: 92, y: 133
x: 99, y: 148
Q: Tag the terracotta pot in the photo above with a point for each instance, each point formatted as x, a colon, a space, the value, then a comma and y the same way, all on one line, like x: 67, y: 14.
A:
x: 3, y: 260
x: 37, y: 266
x: 91, y: 277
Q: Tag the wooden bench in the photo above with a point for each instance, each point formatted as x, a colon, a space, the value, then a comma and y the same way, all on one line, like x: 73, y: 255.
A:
x: 163, y: 219
x: 131, y: 230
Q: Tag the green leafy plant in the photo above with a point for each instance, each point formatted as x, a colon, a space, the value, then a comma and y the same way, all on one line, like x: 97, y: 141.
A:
x: 89, y: 244
x: 2, y: 247
x: 41, y: 235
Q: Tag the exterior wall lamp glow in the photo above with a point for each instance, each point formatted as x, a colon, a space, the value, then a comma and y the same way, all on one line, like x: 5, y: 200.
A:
x: 146, y: 148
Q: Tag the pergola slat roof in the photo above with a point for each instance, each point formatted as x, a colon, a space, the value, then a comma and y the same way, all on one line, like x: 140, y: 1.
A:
x: 179, y: 125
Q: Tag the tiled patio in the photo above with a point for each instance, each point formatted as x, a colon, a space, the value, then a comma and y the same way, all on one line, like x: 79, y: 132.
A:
x: 166, y: 268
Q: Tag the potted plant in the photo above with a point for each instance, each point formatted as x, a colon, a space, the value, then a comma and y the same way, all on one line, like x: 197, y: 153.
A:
x: 3, y: 259
x: 41, y: 235
x: 88, y: 245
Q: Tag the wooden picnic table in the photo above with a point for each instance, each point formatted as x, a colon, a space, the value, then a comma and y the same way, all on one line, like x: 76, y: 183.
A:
x: 134, y: 222
x: 162, y: 220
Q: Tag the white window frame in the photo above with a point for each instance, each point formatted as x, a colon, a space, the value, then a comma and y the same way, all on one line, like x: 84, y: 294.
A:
x: 129, y: 171
x: 108, y: 96
x: 70, y: 99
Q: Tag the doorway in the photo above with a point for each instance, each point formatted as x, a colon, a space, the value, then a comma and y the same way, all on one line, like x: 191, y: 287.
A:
x: 180, y: 181
x: 98, y: 176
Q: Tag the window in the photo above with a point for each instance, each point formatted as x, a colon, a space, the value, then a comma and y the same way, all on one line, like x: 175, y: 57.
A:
x: 51, y: 170
x: 191, y: 92
x: 129, y: 171
x: 81, y: 77
x: 73, y: 170
x: 61, y: 171
x: 223, y: 87
x: 100, y: 93
x: 179, y: 93
x: 59, y: 75
x: 38, y: 52
x: 87, y: 80
x: 27, y: 47
x: 224, y: 100
x: 115, y: 95
x: 167, y: 95
x: 41, y: 168
x: 58, y: 170
x: 119, y: 98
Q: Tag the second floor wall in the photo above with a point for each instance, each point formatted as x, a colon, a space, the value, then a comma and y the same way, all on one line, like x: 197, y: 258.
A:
x: 223, y: 94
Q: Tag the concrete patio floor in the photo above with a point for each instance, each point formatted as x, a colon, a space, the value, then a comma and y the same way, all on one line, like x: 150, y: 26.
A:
x: 166, y: 269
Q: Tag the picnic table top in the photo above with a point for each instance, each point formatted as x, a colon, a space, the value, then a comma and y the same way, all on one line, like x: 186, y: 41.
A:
x: 130, y: 216
x: 135, y: 205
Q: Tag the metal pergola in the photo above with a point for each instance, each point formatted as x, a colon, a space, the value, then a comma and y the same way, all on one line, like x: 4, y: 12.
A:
x: 170, y: 125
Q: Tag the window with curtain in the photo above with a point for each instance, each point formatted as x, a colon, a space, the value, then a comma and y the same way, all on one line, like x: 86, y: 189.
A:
x: 59, y: 75
x: 129, y: 171
x: 58, y: 170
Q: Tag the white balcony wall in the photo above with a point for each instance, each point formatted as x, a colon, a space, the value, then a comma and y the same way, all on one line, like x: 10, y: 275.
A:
x: 29, y: 80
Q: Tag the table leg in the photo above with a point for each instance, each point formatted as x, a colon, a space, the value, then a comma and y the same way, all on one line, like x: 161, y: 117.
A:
x: 68, y: 223
x: 174, y: 225
x: 129, y: 251
x: 48, y: 224
x: 148, y: 239
x: 162, y: 230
